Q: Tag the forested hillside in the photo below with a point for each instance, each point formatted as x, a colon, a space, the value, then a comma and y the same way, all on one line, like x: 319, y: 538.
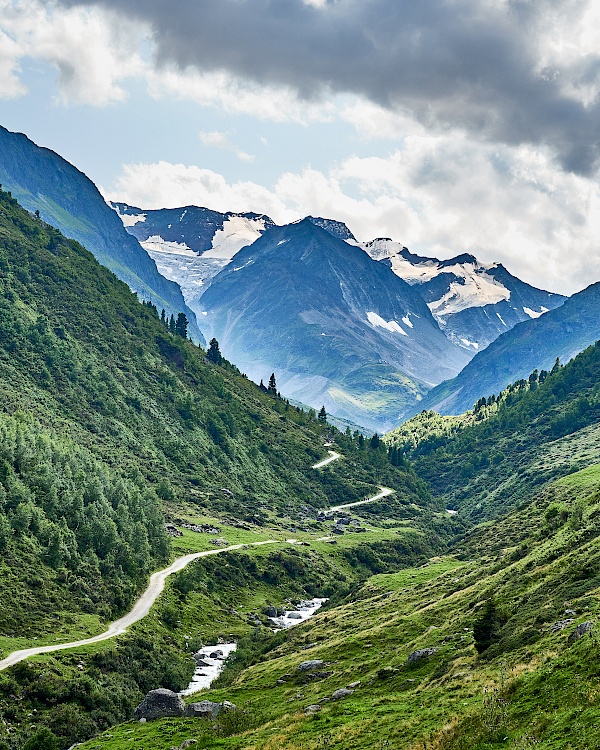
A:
x: 538, y: 429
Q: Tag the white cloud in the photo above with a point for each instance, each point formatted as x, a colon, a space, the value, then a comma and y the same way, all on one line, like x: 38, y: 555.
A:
x: 218, y: 139
x: 10, y: 52
x: 92, y: 51
x: 439, y: 196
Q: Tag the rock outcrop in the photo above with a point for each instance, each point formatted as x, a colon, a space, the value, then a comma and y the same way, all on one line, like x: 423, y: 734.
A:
x: 159, y: 704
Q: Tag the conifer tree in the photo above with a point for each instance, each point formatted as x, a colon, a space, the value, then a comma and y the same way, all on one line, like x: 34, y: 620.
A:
x: 172, y: 324
x: 322, y: 415
x: 181, y: 325
x: 272, y: 388
x: 214, y: 353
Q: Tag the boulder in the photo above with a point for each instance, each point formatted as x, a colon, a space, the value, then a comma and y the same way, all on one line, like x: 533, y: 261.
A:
x: 353, y: 685
x: 216, y: 654
x: 294, y: 616
x: 159, y: 704
x: 580, y: 631
x: 270, y: 611
x: 203, y: 710
x: 312, y: 709
x: 341, y: 693
x: 308, y: 666
x: 421, y: 653
x: 561, y: 625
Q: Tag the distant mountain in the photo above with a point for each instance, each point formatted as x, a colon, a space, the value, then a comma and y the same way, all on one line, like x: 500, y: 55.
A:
x: 563, y: 333
x: 472, y: 302
x: 43, y: 181
x: 337, y: 328
x: 190, y: 245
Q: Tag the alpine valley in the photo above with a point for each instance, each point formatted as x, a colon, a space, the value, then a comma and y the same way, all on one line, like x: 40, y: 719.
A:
x: 190, y: 557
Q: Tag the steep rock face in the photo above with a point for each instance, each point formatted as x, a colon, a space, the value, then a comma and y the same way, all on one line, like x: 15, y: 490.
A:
x: 337, y: 328
x: 562, y: 332
x: 43, y: 181
x: 473, y: 303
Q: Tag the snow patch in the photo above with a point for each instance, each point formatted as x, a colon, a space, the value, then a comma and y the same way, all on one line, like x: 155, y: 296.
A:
x: 156, y: 244
x: 378, y: 322
x: 500, y: 319
x: 533, y: 313
x: 476, y: 290
x: 406, y: 320
x: 237, y: 232
x: 129, y: 220
x: 474, y: 344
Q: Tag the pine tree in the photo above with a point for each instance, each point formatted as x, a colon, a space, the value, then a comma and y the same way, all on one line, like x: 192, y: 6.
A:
x: 272, y: 387
x: 262, y: 386
x: 322, y: 415
x: 486, y: 628
x: 214, y: 353
x: 181, y: 325
x: 163, y: 317
x: 172, y: 324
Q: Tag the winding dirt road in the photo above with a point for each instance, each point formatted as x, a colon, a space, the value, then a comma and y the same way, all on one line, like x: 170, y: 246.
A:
x: 157, y: 583
x: 140, y: 608
x: 333, y: 456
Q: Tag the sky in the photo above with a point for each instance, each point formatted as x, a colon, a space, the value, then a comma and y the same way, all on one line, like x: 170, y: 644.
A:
x: 448, y: 125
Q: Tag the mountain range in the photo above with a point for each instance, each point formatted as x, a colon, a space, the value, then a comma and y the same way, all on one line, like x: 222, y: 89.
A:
x: 471, y: 303
x: 336, y: 327
x: 535, y: 344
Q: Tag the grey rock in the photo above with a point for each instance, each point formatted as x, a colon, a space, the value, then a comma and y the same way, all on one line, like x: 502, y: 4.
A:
x: 187, y: 743
x: 158, y: 704
x: 337, y: 530
x: 581, y: 630
x: 270, y: 611
x: 560, y: 625
x: 341, y: 693
x: 203, y: 710
x: 315, y: 708
x: 353, y: 685
x: 421, y: 653
x: 215, y: 655
x: 310, y: 665
x: 294, y: 616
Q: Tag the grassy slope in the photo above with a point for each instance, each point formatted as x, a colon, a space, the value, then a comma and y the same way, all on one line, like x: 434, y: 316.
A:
x: 531, y: 438
x: 532, y: 688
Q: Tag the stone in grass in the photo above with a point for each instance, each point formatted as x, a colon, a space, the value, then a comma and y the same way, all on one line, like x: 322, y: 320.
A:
x: 203, y: 710
x: 421, y: 653
x: 341, y: 693
x: 353, y: 685
x: 159, y: 704
x: 308, y: 666
x: 581, y: 630
x: 315, y: 708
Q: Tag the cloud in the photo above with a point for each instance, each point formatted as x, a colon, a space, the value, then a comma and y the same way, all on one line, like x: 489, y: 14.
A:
x: 91, y: 51
x: 510, y: 71
x: 438, y: 195
x: 10, y: 52
x: 218, y: 139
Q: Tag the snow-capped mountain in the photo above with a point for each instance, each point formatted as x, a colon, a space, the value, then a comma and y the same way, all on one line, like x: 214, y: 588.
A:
x: 335, y: 326
x: 534, y: 343
x: 190, y: 245
x: 473, y: 303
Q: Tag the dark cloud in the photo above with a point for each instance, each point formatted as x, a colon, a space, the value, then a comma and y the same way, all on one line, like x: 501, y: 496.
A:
x: 469, y: 64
